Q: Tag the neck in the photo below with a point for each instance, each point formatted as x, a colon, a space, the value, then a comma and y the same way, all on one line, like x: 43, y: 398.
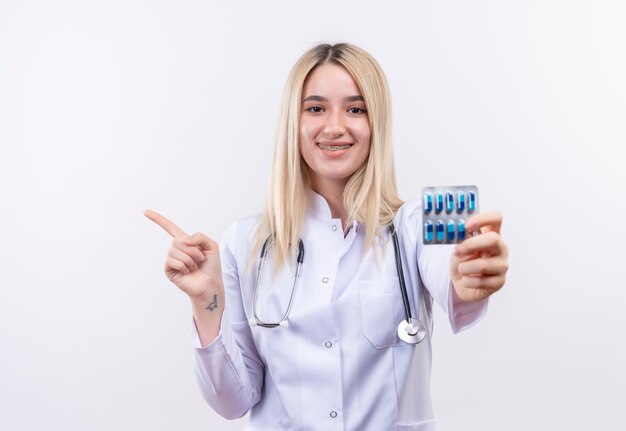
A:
x: 332, y: 191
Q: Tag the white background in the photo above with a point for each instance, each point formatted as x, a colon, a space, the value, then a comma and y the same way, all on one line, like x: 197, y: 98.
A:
x: 111, y: 107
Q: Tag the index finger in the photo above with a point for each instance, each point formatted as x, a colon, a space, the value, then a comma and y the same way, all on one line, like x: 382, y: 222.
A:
x: 165, y: 223
x: 491, y: 220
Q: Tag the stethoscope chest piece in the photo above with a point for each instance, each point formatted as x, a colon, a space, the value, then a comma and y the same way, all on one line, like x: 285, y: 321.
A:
x: 411, y: 331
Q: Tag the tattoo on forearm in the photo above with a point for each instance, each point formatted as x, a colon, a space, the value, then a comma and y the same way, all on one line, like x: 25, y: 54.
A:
x: 213, y: 305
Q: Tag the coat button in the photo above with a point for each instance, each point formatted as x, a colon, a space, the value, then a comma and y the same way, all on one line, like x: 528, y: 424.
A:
x: 328, y: 344
x: 325, y: 280
x: 334, y: 228
x: 333, y: 414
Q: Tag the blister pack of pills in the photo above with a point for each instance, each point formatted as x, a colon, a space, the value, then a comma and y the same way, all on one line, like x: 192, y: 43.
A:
x: 445, y: 211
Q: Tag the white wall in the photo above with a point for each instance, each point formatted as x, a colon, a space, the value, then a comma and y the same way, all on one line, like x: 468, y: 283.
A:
x: 107, y: 108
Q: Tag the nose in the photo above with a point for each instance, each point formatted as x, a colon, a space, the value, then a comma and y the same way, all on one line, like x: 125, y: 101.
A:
x: 334, y: 130
x: 334, y: 126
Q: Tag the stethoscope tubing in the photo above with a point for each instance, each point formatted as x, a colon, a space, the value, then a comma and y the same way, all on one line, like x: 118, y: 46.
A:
x: 403, y: 290
x: 410, y: 330
x: 283, y: 320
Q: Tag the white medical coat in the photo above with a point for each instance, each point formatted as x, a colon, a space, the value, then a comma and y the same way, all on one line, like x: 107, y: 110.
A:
x: 339, y: 365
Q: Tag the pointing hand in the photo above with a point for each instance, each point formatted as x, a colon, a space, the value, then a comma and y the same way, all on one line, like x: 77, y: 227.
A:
x: 193, y: 261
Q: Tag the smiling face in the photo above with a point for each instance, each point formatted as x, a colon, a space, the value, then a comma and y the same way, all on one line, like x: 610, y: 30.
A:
x: 334, y: 127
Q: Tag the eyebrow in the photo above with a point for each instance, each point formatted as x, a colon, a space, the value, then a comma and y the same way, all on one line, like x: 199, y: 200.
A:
x: 315, y: 98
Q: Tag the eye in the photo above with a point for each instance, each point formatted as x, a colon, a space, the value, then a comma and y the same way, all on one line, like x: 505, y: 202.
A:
x: 357, y: 110
x: 315, y: 109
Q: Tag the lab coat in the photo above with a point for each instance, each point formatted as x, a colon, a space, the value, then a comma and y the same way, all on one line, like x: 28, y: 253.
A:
x: 339, y: 365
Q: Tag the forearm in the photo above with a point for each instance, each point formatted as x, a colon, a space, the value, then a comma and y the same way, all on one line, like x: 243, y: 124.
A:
x: 207, y: 315
x: 229, y: 378
x: 464, y: 314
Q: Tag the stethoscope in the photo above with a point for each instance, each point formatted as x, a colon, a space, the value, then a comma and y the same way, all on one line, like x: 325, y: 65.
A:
x: 410, y: 330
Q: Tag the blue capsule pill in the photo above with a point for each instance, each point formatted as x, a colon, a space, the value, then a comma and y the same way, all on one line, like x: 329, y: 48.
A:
x: 440, y: 231
x: 428, y: 231
x: 460, y: 201
x: 428, y: 202
x: 439, y: 203
x: 471, y: 204
x: 461, y: 230
x: 451, y: 230
x: 449, y: 202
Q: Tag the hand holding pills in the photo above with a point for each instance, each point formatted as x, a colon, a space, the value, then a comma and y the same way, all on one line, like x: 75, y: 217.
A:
x: 479, y: 262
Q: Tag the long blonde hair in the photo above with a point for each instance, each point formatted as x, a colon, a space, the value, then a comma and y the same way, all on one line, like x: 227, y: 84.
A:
x: 370, y: 196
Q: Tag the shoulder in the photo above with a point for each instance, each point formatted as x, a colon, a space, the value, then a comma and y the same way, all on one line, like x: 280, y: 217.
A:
x: 243, y: 227
x: 408, y: 220
x: 411, y: 208
x: 240, y: 237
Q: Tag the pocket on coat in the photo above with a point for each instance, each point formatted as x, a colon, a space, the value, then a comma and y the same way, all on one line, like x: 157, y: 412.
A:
x: 381, y: 311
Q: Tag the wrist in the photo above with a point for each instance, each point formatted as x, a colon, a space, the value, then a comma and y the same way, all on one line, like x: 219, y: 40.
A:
x: 207, y: 296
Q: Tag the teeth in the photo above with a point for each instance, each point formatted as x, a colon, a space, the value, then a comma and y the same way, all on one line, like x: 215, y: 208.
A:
x: 334, y: 147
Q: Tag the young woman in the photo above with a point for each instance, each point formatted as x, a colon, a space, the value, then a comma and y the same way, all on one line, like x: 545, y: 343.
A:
x: 310, y: 341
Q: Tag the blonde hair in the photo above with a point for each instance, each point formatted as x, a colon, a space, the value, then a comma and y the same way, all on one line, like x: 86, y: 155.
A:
x: 370, y: 196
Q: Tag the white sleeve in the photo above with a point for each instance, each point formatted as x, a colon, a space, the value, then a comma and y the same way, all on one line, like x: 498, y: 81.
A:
x: 229, y: 371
